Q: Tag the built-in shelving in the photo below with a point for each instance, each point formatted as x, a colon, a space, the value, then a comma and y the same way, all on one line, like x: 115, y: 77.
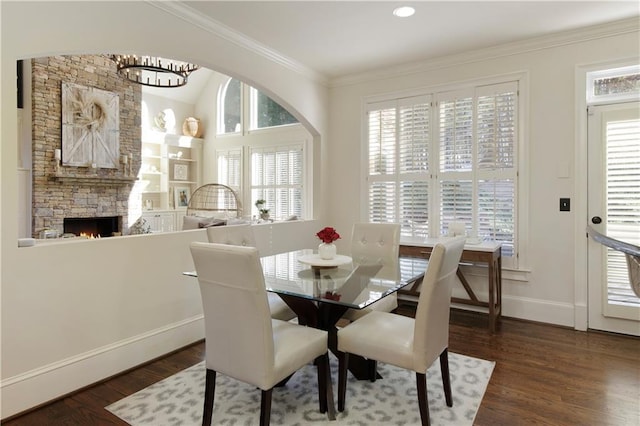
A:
x: 169, y: 163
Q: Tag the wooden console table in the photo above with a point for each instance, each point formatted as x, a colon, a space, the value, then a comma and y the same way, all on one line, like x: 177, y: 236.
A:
x: 488, y: 252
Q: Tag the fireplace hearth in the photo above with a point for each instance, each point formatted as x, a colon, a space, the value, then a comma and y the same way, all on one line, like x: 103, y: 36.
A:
x: 93, y: 226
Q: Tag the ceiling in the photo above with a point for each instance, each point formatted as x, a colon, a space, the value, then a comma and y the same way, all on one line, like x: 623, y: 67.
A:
x: 339, y: 38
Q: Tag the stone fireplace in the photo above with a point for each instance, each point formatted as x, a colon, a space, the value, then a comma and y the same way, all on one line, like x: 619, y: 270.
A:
x: 68, y: 192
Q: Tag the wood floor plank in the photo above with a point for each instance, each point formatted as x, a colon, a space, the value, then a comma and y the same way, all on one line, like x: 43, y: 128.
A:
x: 544, y: 375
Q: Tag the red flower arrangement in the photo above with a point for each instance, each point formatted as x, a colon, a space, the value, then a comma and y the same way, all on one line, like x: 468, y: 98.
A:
x: 328, y: 235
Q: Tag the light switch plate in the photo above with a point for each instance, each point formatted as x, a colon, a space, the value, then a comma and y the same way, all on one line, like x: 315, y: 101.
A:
x: 565, y: 204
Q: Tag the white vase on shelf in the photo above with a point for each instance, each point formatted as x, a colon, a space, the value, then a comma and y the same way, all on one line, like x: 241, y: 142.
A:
x: 327, y: 251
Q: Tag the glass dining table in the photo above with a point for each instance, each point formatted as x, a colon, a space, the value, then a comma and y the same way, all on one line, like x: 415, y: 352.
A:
x: 321, y: 291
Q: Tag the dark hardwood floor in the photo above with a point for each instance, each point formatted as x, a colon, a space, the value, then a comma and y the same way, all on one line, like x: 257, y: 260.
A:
x: 544, y: 375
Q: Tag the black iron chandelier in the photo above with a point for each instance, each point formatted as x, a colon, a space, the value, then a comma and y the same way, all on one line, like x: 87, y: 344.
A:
x: 153, y: 70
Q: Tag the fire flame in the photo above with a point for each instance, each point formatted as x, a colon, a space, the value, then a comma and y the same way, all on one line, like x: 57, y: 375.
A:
x: 89, y: 236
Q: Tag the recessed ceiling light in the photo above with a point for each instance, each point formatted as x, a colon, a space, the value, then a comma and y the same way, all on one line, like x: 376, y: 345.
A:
x: 404, y: 11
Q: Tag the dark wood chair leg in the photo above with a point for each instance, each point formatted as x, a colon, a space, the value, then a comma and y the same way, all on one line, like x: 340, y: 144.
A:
x: 423, y: 400
x: 209, y: 393
x: 446, y: 378
x: 265, y: 407
x: 343, y: 364
x: 322, y: 363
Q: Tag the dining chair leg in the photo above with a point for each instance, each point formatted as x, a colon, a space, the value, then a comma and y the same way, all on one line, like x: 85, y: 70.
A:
x: 343, y: 364
x: 446, y: 378
x: 322, y: 363
x: 423, y: 400
x: 265, y: 407
x: 209, y: 393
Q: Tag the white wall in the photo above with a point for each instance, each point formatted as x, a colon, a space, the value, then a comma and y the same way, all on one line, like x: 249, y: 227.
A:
x: 152, y: 105
x: 73, y: 313
x: 548, y: 294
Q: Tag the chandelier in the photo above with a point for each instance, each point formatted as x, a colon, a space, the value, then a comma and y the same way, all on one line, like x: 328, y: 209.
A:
x: 153, y: 70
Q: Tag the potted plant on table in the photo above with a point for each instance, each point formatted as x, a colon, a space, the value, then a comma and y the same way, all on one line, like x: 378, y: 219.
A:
x: 264, y: 212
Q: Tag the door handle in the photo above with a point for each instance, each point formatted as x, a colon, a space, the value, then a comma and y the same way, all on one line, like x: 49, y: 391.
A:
x: 596, y: 220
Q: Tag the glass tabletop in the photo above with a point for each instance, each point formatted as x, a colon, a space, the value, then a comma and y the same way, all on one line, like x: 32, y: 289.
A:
x: 350, y: 284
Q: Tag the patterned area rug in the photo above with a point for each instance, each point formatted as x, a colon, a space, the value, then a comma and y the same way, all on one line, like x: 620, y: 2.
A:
x: 392, y: 400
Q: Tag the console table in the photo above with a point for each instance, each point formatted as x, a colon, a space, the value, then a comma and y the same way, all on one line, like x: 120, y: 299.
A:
x: 488, y: 252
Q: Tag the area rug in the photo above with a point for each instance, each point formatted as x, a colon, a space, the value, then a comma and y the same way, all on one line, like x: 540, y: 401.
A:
x: 392, y: 400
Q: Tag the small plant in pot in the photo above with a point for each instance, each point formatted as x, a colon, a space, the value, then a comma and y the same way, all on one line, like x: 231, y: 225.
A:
x: 264, y: 213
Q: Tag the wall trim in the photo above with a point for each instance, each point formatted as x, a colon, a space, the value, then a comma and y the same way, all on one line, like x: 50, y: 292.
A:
x: 217, y: 28
x: 43, y: 384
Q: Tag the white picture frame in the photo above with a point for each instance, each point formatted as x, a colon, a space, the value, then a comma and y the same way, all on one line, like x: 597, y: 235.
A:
x: 181, y: 196
x: 180, y: 172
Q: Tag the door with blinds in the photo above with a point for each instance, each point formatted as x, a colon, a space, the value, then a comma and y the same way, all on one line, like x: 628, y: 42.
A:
x: 614, y: 210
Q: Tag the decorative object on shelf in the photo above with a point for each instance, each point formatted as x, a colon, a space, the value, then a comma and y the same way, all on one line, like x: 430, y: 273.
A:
x: 148, y: 204
x: 140, y: 227
x: 260, y: 205
x: 153, y: 70
x: 160, y: 121
x: 192, y: 127
x: 90, y: 127
x: 181, y: 172
x: 182, y: 194
x: 327, y: 249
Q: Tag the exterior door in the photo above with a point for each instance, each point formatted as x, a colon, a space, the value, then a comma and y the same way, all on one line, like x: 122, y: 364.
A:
x: 614, y: 210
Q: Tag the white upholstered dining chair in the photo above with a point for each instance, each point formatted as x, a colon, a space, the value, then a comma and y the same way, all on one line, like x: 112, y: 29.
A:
x: 376, y: 243
x: 242, y: 235
x: 242, y: 341
x: 409, y: 343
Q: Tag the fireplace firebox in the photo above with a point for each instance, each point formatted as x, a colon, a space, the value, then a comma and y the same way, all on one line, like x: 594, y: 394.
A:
x: 92, y: 226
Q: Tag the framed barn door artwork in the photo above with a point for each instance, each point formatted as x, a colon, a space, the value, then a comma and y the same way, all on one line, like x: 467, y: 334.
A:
x: 90, y: 127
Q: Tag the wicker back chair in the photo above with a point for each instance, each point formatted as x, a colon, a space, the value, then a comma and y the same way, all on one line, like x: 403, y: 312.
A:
x: 214, y: 200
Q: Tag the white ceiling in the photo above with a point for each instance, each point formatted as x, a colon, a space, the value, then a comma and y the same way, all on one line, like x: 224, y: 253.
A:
x: 340, y: 38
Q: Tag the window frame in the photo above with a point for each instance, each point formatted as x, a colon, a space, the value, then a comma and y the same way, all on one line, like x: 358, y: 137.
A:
x: 592, y: 76
x: 519, y: 262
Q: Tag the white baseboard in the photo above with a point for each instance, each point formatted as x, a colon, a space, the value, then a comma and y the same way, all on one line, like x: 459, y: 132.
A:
x: 538, y: 310
x: 36, y: 387
x: 524, y: 308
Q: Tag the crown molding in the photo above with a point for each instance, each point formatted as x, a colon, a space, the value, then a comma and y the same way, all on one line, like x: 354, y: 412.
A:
x: 509, y: 49
x: 193, y: 17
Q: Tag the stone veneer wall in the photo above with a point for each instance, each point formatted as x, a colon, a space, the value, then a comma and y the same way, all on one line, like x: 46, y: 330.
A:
x: 80, y: 193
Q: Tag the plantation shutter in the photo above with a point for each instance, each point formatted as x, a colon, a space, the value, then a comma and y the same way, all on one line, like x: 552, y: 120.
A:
x: 456, y: 141
x: 398, y: 152
x: 458, y: 163
x: 477, y: 143
x: 623, y: 201
x: 277, y: 177
x: 230, y: 168
x: 497, y: 110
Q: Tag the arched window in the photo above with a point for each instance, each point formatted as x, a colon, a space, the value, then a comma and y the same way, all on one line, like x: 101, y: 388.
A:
x: 258, y: 164
x: 231, y: 108
x: 265, y: 112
